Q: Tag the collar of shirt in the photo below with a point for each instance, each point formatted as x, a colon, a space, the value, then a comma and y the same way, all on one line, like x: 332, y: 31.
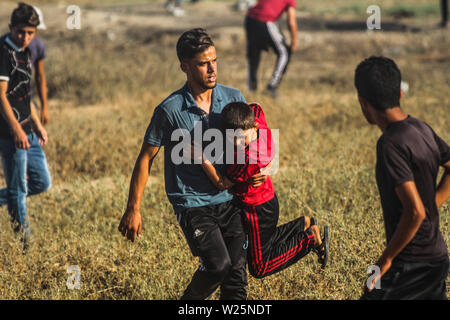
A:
x: 12, y: 44
x: 190, y: 102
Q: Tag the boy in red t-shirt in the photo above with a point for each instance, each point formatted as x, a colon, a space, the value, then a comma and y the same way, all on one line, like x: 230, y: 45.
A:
x: 271, y: 248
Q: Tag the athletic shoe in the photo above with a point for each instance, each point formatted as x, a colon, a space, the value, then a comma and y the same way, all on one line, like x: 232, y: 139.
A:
x: 178, y: 12
x: 272, y: 91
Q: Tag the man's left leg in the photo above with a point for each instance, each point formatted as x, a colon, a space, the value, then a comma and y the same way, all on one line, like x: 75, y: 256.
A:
x: 234, y: 285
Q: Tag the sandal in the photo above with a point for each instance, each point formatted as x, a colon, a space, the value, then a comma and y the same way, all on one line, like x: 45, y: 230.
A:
x: 322, y: 250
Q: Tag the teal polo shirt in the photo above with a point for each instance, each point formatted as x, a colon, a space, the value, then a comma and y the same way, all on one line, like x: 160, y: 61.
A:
x: 187, y: 186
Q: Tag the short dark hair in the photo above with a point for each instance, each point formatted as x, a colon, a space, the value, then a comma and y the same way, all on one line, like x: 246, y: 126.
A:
x: 378, y: 80
x: 192, y: 42
x: 24, y: 14
x: 237, y: 115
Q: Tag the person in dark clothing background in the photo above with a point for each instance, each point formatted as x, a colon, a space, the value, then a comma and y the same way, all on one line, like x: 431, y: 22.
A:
x: 263, y: 33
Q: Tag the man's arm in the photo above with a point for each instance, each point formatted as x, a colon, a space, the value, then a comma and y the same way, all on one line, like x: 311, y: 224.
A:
x: 220, y: 182
x: 412, y: 217
x: 41, y: 83
x: 20, y: 137
x: 443, y: 190
x: 131, y: 223
x: 292, y: 25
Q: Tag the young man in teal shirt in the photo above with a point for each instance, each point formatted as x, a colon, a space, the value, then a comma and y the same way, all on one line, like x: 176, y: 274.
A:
x: 210, y: 220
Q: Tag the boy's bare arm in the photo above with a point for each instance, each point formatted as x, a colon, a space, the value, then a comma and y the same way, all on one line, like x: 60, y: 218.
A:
x: 443, y: 190
x: 412, y: 217
x: 20, y: 137
x: 219, y: 181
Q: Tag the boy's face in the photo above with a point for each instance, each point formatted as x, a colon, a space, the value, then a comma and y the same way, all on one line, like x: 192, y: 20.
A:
x: 22, y: 35
x: 202, y: 69
x: 244, y: 137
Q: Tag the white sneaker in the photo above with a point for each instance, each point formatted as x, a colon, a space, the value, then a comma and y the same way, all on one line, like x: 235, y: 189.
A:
x: 178, y: 12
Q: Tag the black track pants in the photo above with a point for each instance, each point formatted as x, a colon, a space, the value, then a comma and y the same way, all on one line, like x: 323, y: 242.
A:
x: 271, y: 248
x: 262, y: 36
x: 216, y: 235
x: 444, y: 11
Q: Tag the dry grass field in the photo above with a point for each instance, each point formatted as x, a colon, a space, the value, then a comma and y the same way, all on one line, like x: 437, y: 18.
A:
x: 104, y: 82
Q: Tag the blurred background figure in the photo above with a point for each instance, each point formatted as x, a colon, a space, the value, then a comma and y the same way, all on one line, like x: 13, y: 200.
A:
x: 243, y: 5
x: 444, y: 13
x: 263, y: 32
x: 174, y: 7
x: 37, y: 50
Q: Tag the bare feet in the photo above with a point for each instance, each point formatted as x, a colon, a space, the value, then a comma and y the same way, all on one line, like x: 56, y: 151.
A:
x: 316, y: 232
x: 321, y: 248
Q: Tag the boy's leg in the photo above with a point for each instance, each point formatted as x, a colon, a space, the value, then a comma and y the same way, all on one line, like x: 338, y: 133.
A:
x: 205, y: 239
x: 6, y: 152
x: 14, y: 164
x: 272, y: 248
x: 37, y: 169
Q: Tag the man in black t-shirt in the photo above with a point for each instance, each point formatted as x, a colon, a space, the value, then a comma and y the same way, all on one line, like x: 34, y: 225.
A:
x: 21, y: 132
x: 415, y: 263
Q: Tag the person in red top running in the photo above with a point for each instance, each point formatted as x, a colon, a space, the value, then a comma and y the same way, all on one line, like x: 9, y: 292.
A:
x: 271, y: 248
x: 263, y: 33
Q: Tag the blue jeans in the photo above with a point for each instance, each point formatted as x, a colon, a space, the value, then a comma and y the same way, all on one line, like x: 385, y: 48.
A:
x: 26, y: 173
